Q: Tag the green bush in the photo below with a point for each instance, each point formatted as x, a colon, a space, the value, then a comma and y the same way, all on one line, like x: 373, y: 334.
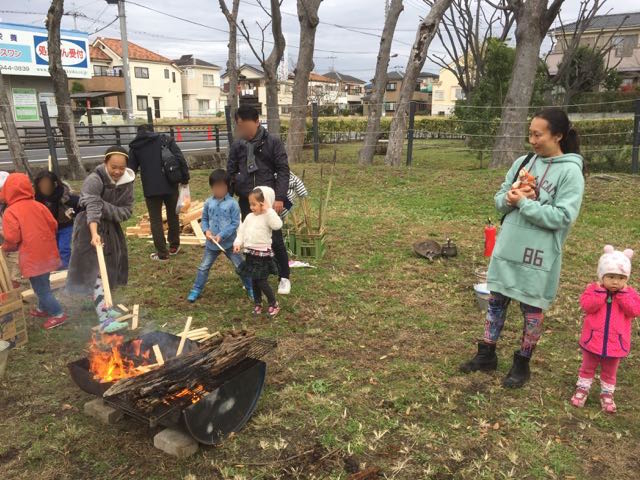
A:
x: 604, y: 102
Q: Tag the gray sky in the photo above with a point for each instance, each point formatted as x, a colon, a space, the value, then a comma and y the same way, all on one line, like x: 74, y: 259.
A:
x: 355, y: 53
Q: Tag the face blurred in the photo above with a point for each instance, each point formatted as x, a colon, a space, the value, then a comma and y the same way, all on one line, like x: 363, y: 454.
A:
x: 46, y: 187
x: 544, y: 143
x: 613, y: 282
x: 116, y: 165
x: 247, y: 129
x: 219, y: 189
x: 255, y: 205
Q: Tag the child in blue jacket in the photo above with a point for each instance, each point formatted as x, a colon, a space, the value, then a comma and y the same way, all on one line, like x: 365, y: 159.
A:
x: 220, y: 222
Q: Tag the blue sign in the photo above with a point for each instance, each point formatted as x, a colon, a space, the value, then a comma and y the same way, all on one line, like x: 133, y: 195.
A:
x: 14, y: 53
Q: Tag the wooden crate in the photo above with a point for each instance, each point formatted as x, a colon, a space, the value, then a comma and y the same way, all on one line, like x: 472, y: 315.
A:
x: 13, y: 326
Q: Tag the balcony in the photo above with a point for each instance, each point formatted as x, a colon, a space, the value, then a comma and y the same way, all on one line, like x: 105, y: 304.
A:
x: 103, y: 83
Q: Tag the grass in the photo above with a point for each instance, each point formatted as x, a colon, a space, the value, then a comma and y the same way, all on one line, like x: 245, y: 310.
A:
x: 369, y: 344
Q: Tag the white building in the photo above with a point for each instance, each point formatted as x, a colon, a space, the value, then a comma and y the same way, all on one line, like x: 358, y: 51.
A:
x: 201, y: 87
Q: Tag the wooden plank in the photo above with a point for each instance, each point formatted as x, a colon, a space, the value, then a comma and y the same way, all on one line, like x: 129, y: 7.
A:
x: 183, y: 337
x: 134, y: 321
x: 108, y: 301
x: 197, y: 230
x: 158, y: 354
x: 123, y: 318
x: 5, y: 272
x: 191, y: 215
x: 123, y: 308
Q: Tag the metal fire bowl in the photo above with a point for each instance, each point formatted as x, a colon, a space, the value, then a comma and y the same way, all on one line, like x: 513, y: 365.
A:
x: 427, y: 249
x: 168, y: 343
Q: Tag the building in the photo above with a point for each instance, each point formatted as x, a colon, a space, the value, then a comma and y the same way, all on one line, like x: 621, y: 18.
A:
x: 323, y: 90
x: 351, y: 89
x: 24, y: 61
x: 446, y: 91
x: 155, y: 80
x: 421, y: 94
x: 252, y: 89
x: 201, y: 87
x: 624, y: 56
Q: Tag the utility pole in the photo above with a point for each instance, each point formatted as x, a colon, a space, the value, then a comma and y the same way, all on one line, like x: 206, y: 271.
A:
x: 125, y: 57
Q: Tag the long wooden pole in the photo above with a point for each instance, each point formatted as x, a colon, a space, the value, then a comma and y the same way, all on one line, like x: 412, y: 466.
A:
x: 183, y: 337
x: 108, y: 301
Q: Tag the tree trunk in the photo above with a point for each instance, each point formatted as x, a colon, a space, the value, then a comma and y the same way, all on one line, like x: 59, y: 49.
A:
x: 273, y: 113
x: 426, y: 31
x: 61, y: 90
x: 379, y: 83
x: 308, y: 18
x: 11, y: 135
x: 232, y: 67
x: 533, y: 20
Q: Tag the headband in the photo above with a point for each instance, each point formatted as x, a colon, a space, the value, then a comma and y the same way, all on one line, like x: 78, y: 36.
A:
x: 106, y: 157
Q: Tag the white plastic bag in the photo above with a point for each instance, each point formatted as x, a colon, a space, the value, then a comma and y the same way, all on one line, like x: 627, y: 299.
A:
x: 184, y: 199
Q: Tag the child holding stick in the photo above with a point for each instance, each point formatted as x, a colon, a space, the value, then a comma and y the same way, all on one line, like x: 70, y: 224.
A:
x: 254, y: 236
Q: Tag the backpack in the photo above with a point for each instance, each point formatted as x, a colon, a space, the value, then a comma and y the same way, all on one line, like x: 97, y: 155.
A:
x: 170, y: 165
x: 523, y: 164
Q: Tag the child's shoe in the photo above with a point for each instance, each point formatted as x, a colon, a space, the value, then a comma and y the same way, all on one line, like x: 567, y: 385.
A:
x: 55, y: 321
x: 193, y: 296
x: 607, y: 403
x: 580, y: 397
x: 111, y: 326
x: 36, y: 312
x: 284, y: 287
x: 274, y: 309
x: 257, y: 310
x: 157, y: 258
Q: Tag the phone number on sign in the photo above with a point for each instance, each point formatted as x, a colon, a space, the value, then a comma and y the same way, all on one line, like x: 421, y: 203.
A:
x: 16, y: 68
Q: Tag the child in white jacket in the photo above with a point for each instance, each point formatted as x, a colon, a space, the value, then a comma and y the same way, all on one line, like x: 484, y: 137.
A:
x: 254, y: 236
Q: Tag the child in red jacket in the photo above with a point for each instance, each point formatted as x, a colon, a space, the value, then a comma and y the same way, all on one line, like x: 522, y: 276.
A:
x: 30, y: 228
x: 609, y: 308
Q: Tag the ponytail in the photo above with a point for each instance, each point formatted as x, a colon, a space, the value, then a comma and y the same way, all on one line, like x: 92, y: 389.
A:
x: 570, y: 142
x: 559, y: 124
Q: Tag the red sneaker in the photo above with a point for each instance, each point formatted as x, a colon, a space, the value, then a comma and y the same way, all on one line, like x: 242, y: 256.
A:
x: 274, y: 310
x: 36, y: 312
x: 53, y: 322
x: 174, y: 250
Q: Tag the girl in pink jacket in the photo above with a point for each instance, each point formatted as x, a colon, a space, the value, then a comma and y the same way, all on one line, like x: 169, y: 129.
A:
x: 609, y: 308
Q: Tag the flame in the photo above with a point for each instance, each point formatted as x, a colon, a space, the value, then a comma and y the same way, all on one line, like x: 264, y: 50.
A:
x: 195, y: 394
x: 109, y: 364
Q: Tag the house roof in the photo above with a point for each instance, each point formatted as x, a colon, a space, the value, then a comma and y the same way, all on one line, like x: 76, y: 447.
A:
x: 96, y: 54
x: 613, y: 21
x: 341, y: 77
x: 136, y: 52
x: 186, y: 60
x: 316, y: 77
x: 427, y: 75
x: 395, y: 75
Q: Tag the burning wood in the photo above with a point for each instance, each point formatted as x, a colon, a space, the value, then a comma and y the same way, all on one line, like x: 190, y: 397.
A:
x: 108, y: 363
x: 181, y: 378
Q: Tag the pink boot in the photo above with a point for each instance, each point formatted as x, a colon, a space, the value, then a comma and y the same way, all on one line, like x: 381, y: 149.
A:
x: 607, y: 403
x: 580, y: 397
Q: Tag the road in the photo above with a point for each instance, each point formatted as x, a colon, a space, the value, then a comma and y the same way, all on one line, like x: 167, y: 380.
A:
x: 41, y: 156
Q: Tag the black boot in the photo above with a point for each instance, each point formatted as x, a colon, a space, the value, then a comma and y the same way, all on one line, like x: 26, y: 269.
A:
x: 519, y: 373
x: 485, y: 360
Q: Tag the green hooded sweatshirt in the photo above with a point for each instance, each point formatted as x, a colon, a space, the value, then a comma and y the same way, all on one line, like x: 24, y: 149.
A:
x: 527, y: 258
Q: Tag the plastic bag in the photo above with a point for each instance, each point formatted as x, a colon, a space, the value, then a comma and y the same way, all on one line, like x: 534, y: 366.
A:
x: 184, y: 199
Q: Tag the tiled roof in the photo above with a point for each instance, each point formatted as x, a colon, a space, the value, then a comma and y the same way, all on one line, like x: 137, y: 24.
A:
x: 341, y: 77
x: 316, y: 77
x: 395, y: 75
x: 96, y: 54
x: 136, y: 52
x: 623, y: 20
x: 186, y: 60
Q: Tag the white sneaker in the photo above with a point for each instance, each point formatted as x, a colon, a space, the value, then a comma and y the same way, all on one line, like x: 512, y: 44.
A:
x: 284, y: 288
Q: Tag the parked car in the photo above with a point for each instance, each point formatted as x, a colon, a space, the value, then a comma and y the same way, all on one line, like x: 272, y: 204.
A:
x: 103, y: 116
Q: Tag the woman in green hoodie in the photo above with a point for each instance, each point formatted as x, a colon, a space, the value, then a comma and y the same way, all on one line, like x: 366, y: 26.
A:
x: 527, y: 258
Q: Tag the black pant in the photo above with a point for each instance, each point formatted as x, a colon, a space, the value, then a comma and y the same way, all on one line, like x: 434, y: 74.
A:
x: 277, y: 240
x: 261, y: 286
x: 154, y: 206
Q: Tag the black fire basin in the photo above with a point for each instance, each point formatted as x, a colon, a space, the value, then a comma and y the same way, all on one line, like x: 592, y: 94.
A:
x: 232, y: 399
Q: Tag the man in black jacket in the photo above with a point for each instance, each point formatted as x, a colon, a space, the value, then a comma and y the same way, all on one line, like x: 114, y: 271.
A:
x: 258, y: 158
x: 145, y: 153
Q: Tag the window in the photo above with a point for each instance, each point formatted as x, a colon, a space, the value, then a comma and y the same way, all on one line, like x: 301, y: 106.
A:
x: 390, y: 106
x: 173, y: 76
x: 208, y: 80
x: 456, y: 93
x: 100, y: 71
x: 625, y: 44
x: 143, y: 103
x: 418, y: 86
x: 166, y: 73
x: 438, y: 95
x: 203, y: 106
x: 391, y: 87
x: 141, y: 72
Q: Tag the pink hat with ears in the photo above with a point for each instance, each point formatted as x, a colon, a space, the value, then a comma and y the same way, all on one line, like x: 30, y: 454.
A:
x: 615, y: 262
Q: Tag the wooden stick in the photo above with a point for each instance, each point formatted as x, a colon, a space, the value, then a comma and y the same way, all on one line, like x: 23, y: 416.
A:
x: 124, y: 317
x: 5, y: 271
x: 158, y: 354
x: 134, y: 322
x: 219, y: 246
x: 123, y: 308
x: 323, y: 210
x: 197, y: 230
x: 195, y: 330
x: 108, y: 301
x: 183, y: 337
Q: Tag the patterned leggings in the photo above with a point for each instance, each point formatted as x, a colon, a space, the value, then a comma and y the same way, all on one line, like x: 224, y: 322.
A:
x: 496, y: 315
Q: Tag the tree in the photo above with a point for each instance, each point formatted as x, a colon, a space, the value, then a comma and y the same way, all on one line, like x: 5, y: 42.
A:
x: 232, y: 67
x: 308, y: 19
x: 465, y: 30
x: 16, y: 148
x: 533, y: 19
x: 61, y: 91
x: 426, y: 31
x: 376, y: 98
x: 269, y: 64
